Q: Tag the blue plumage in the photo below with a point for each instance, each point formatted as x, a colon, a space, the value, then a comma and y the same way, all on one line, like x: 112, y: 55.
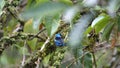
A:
x: 58, y: 40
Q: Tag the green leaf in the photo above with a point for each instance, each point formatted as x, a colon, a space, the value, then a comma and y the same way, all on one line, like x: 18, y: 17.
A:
x: 10, y: 55
x: 88, y: 61
x: 48, y: 24
x: 31, y: 27
x: 88, y: 30
x: 107, y: 31
x: 32, y: 43
x: 52, y: 23
x: 55, y: 24
x: 47, y: 8
x: 100, y: 22
x: 41, y: 1
x: 3, y: 59
x: 46, y: 60
x: 33, y: 3
x: 69, y: 2
x: 10, y: 26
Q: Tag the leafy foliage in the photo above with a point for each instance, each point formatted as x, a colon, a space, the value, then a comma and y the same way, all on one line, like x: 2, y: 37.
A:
x: 89, y: 29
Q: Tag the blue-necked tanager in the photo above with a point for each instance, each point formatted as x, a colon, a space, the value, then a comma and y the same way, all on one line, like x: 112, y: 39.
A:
x: 58, y: 40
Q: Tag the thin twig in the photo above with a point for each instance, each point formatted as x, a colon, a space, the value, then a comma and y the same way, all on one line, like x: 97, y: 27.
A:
x: 38, y: 63
x: 66, y: 37
x: 38, y: 33
x: 46, y: 42
x: 23, y: 61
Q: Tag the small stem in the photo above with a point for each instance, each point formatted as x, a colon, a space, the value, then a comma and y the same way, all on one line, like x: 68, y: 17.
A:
x: 38, y: 33
x: 24, y: 57
x: 66, y: 37
x: 94, y: 60
x: 46, y: 42
x: 37, y: 63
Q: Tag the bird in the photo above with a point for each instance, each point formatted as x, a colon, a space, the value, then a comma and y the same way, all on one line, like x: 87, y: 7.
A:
x: 58, y: 40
